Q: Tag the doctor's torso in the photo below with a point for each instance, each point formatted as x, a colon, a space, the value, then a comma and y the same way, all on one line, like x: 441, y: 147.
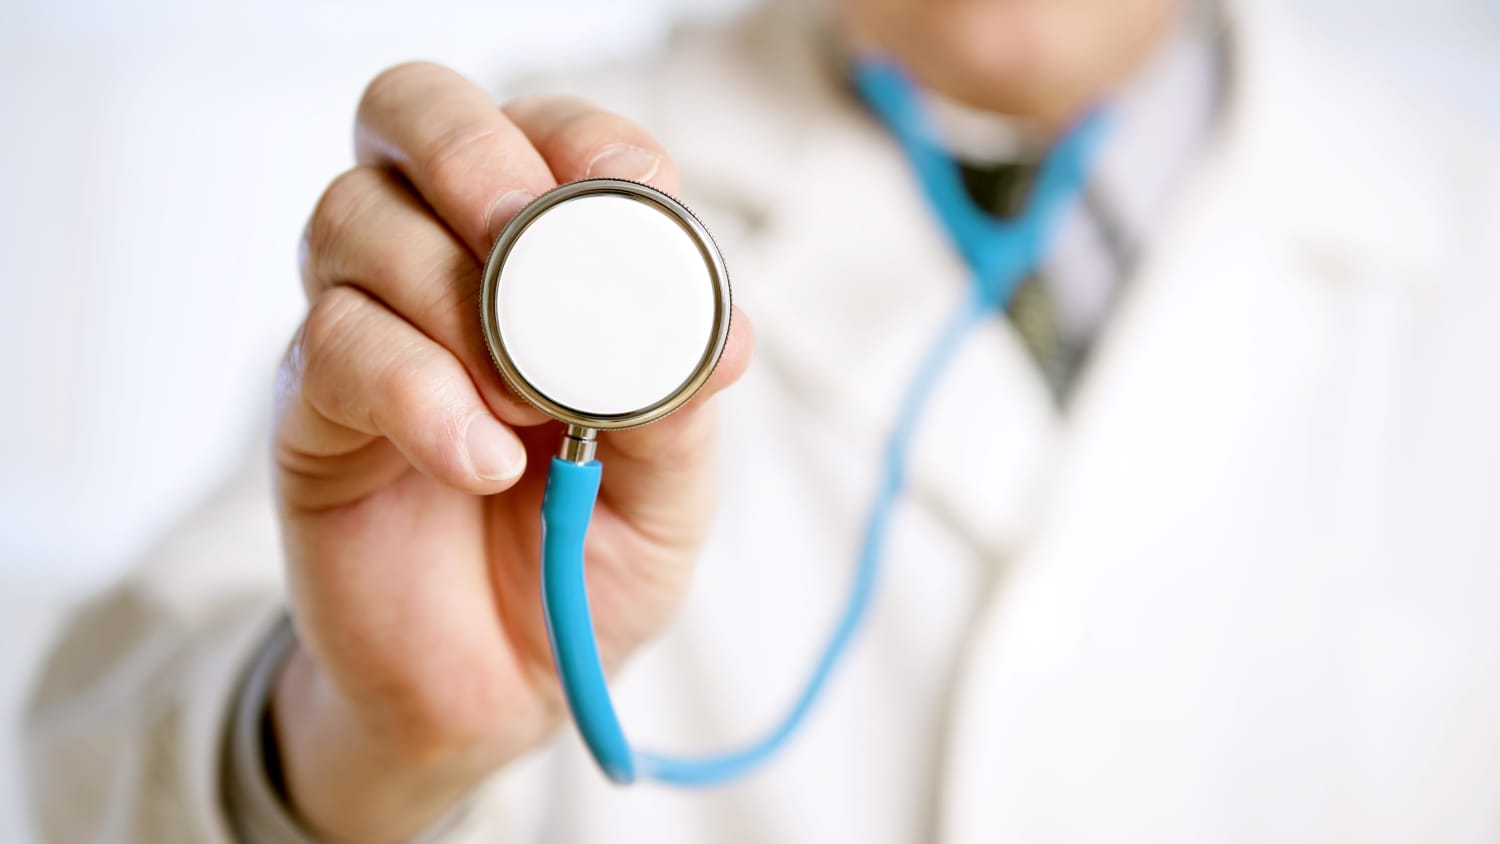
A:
x: 1240, y: 589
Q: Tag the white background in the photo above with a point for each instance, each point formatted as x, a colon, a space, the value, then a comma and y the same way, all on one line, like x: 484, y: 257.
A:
x: 157, y: 161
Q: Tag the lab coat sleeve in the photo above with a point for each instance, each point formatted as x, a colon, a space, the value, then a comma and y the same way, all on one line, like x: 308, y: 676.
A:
x: 132, y: 723
x: 125, y: 723
x: 257, y: 813
x: 151, y: 687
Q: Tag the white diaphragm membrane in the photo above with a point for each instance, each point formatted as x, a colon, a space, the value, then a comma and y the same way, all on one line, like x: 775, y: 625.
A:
x: 606, y: 304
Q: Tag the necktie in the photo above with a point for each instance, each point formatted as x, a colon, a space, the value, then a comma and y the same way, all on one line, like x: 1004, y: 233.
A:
x: 1001, y: 190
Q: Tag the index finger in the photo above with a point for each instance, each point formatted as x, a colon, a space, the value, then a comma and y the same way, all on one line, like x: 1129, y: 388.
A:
x: 469, y: 162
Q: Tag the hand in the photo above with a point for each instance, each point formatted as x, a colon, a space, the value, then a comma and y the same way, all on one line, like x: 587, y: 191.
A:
x: 410, y: 480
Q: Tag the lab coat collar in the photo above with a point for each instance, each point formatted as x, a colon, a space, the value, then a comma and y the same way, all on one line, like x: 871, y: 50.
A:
x: 848, y: 292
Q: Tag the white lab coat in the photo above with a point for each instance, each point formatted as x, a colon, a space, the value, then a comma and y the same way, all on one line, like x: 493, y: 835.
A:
x: 1247, y: 589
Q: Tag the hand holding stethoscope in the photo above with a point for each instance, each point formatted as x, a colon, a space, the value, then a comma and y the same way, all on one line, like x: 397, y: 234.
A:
x: 425, y: 663
x: 411, y: 546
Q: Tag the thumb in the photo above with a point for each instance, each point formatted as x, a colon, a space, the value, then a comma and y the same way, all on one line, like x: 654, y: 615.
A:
x: 659, y: 477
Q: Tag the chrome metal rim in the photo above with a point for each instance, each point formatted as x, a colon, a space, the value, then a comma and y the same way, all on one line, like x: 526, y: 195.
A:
x: 494, y: 338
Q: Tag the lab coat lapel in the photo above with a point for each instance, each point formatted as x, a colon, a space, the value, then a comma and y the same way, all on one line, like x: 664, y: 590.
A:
x: 850, y: 290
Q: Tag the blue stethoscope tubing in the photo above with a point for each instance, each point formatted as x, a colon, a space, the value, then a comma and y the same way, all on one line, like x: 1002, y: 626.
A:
x: 999, y: 253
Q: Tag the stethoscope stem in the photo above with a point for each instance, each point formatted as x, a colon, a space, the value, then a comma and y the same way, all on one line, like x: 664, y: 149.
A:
x: 578, y: 444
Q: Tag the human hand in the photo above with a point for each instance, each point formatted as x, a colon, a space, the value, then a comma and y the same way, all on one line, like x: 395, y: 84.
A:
x: 409, y: 478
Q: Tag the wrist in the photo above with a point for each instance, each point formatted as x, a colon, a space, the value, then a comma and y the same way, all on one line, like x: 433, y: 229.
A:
x: 349, y: 780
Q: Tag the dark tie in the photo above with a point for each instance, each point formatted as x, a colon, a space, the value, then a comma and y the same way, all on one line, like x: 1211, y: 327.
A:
x: 1001, y: 189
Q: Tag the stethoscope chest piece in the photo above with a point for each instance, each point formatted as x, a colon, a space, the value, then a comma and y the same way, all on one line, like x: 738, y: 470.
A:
x: 606, y: 304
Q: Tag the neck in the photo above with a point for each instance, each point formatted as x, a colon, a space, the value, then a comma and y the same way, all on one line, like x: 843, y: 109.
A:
x: 1039, y: 97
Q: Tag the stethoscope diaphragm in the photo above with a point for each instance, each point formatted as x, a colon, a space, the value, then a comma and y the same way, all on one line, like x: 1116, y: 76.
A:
x: 605, y: 303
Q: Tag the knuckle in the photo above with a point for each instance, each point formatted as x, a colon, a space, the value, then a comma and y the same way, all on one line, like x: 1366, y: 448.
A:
x: 416, y: 391
x: 327, y: 320
x: 448, y: 286
x: 324, y: 334
x: 405, y: 386
x: 450, y: 160
x: 337, y: 211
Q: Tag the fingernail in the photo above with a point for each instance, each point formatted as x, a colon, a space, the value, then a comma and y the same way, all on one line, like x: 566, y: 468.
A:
x: 494, y: 453
x: 501, y: 210
x: 624, y: 161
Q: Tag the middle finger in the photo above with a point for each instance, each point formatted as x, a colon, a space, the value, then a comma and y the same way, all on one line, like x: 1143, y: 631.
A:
x: 445, y: 135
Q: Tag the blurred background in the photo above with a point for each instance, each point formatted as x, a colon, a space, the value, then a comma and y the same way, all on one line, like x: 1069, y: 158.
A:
x: 157, y: 162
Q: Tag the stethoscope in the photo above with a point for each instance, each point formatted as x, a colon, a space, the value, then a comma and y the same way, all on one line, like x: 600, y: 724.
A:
x: 606, y: 304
